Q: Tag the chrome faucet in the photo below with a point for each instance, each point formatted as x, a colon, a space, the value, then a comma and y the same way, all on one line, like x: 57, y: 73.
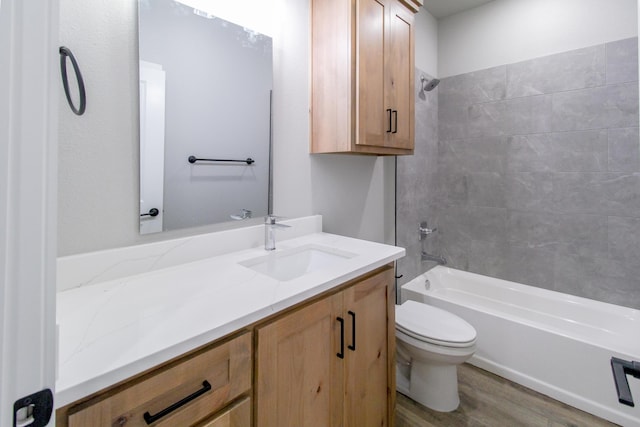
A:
x: 425, y: 232
x: 270, y: 226
x: 244, y: 214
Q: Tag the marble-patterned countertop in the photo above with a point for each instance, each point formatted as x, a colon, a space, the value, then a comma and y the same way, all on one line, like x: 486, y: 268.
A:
x: 112, y: 330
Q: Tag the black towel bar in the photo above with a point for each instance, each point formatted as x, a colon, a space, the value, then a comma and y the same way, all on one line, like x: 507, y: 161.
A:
x: 248, y: 160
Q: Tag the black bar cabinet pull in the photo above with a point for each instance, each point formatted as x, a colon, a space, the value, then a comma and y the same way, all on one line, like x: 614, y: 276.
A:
x: 64, y: 54
x: 352, y: 346
x: 248, y: 160
x: 150, y: 419
x: 152, y: 212
x: 340, y: 354
x: 621, y: 368
x: 389, y: 115
x: 395, y: 121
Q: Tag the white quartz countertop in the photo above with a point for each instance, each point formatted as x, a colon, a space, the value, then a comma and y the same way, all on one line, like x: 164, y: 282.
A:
x: 112, y: 330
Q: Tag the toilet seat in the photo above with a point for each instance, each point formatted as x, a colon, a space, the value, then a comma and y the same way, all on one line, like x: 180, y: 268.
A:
x: 433, y: 325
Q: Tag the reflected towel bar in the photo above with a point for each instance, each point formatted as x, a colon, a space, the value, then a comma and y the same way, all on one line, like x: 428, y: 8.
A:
x: 248, y: 160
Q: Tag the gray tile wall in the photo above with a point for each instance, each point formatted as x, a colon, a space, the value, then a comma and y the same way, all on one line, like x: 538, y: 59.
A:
x: 416, y: 184
x: 531, y: 173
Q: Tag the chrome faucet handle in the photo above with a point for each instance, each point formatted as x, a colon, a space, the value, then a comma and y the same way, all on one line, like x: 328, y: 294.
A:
x: 271, y: 219
x: 425, y: 230
x: 244, y: 214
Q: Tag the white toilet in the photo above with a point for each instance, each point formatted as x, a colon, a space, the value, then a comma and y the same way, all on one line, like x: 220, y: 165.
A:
x: 430, y: 343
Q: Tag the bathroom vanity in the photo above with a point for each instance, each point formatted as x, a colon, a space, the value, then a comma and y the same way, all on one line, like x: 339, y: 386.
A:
x: 232, y: 339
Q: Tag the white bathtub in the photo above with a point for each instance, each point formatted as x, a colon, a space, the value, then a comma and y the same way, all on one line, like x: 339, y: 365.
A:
x: 557, y: 344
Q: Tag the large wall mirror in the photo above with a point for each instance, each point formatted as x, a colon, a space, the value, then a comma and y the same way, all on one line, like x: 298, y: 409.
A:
x: 205, y: 116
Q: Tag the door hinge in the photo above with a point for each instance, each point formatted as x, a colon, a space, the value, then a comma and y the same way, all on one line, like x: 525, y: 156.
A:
x: 34, y: 410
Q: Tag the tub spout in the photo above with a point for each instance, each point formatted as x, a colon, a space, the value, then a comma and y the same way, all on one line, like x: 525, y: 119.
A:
x: 621, y: 368
x: 428, y: 257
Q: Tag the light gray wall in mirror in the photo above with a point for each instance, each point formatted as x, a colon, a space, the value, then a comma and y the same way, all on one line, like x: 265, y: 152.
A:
x: 218, y: 86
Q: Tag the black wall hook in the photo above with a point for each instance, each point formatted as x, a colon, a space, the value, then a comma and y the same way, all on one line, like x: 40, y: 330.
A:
x: 64, y: 54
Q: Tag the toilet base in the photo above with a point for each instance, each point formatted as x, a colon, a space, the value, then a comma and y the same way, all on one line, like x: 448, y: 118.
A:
x: 432, y: 385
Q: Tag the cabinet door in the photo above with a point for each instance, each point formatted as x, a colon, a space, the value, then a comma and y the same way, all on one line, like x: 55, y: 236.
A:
x: 372, y: 100
x: 299, y: 376
x: 401, y: 72
x: 370, y: 357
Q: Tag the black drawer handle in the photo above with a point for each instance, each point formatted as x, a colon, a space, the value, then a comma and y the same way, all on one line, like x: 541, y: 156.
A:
x: 389, y: 115
x: 150, y: 419
x: 352, y: 346
x: 395, y: 114
x: 340, y: 354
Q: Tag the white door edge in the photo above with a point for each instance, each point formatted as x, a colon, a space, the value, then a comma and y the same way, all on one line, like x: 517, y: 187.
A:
x: 28, y: 174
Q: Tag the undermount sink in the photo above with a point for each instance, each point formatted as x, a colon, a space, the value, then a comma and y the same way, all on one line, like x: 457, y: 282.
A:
x: 293, y: 263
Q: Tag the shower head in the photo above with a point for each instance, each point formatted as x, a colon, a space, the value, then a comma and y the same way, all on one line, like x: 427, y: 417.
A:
x: 428, y: 85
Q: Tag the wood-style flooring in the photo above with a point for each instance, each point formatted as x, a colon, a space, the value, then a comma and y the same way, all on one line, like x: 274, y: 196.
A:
x: 491, y: 401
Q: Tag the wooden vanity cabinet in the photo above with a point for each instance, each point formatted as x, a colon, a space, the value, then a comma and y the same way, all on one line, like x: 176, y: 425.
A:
x: 218, y: 380
x: 238, y: 415
x: 330, y: 363
x: 325, y: 362
x: 362, y: 76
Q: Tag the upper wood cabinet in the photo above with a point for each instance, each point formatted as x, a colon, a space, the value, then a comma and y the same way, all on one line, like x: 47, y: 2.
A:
x: 362, y: 76
x: 330, y: 363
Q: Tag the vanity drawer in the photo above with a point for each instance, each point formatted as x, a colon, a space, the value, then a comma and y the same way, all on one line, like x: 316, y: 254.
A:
x: 204, y: 382
x: 239, y: 415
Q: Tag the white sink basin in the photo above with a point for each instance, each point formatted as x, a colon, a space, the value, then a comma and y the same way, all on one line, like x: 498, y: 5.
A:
x: 293, y: 263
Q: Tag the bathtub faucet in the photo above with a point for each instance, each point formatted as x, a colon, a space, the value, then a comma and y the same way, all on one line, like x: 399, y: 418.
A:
x: 428, y: 257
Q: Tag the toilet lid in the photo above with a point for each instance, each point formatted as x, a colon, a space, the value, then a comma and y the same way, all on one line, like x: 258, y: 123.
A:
x: 432, y: 324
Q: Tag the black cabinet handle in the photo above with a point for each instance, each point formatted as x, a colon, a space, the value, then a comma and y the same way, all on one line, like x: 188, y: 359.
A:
x: 395, y: 121
x: 152, y: 212
x: 621, y: 368
x: 352, y: 346
x: 150, y: 419
x: 340, y: 354
x: 64, y: 54
x: 389, y: 115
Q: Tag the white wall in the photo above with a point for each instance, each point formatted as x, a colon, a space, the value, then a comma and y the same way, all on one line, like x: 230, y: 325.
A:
x: 98, y: 152
x: 353, y: 193
x: 508, y: 31
x: 426, y: 43
x: 98, y: 155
